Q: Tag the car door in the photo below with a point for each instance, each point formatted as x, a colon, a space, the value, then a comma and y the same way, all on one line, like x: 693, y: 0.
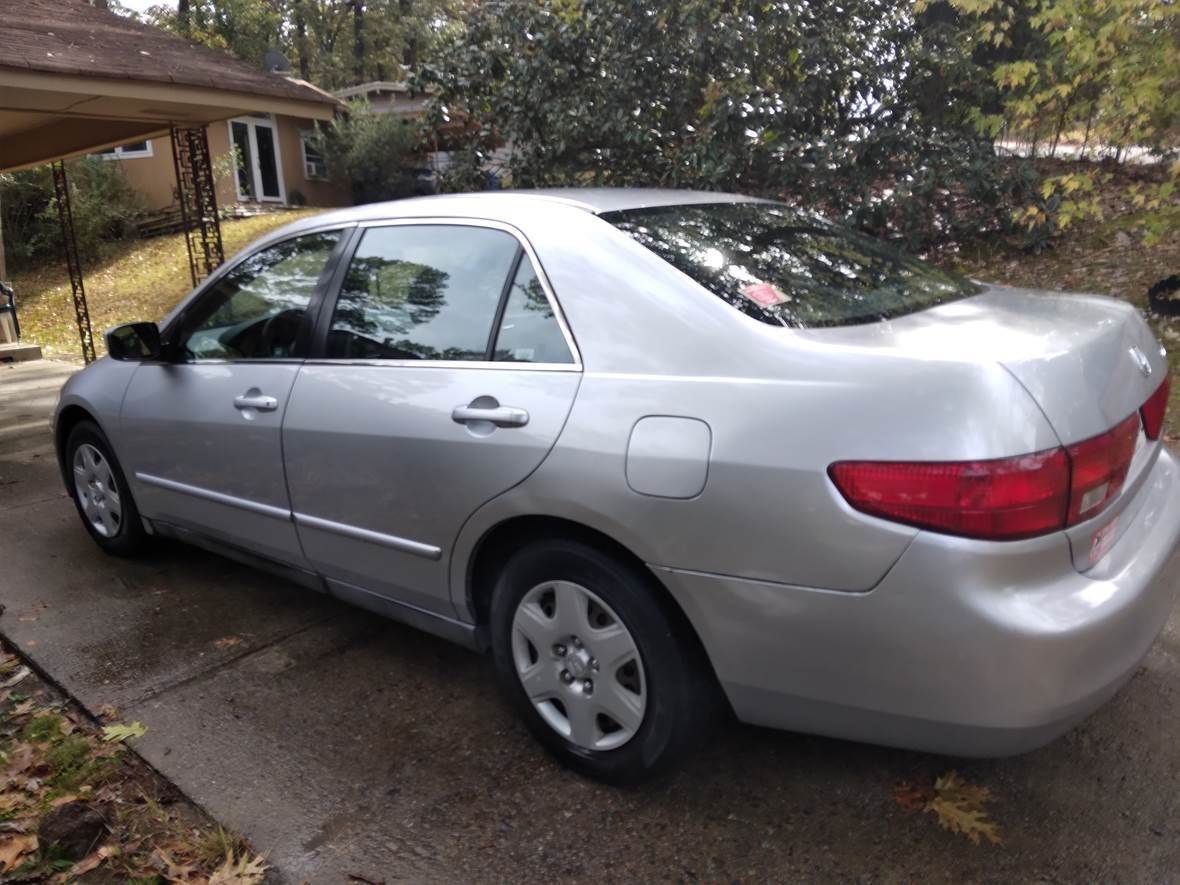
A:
x: 444, y: 378
x: 202, y: 432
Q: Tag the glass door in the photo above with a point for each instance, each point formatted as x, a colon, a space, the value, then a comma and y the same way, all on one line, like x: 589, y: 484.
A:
x: 258, y: 174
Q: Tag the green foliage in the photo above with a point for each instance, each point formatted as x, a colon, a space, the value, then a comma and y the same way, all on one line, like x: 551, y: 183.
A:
x: 860, y: 108
x: 1105, y: 73
x: 332, y: 43
x: 371, y: 151
x: 104, y: 207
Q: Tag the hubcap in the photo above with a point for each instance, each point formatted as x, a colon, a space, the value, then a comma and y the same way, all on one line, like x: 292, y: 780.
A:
x: 97, y: 491
x: 579, y: 665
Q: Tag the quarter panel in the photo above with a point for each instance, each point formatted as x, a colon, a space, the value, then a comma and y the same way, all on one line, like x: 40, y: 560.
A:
x: 768, y: 510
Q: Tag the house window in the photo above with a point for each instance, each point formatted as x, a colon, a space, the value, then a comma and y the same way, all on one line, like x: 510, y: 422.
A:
x: 132, y: 151
x: 313, y: 161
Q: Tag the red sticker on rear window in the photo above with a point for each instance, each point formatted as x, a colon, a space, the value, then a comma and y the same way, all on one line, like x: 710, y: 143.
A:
x: 765, y: 294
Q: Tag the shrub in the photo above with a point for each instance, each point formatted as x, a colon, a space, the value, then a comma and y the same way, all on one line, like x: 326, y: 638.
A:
x: 103, y: 205
x: 372, y: 152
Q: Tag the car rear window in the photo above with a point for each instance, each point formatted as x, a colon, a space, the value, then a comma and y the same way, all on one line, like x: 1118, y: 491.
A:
x: 789, y: 268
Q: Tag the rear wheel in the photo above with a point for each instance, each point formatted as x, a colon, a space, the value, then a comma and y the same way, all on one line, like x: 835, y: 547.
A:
x: 594, y: 664
x: 101, y: 493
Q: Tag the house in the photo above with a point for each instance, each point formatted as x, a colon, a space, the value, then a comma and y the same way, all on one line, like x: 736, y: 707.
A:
x: 77, y: 79
x: 387, y: 96
x: 277, y: 164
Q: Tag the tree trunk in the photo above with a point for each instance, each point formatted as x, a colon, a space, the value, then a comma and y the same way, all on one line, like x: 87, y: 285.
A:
x: 183, y: 17
x: 300, y: 41
x: 358, y: 40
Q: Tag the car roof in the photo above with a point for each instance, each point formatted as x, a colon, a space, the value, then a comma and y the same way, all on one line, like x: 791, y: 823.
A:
x: 595, y: 200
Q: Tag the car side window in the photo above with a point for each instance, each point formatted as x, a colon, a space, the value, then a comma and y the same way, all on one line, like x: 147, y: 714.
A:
x: 421, y: 292
x: 256, y: 310
x: 528, y: 331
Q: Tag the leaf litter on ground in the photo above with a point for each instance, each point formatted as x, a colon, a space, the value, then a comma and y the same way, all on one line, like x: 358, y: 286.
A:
x: 53, y: 755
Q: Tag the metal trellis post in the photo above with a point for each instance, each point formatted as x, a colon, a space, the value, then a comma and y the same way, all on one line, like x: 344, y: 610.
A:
x: 197, y: 195
x: 61, y: 191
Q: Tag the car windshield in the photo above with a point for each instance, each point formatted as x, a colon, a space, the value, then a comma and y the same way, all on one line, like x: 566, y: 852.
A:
x: 789, y: 268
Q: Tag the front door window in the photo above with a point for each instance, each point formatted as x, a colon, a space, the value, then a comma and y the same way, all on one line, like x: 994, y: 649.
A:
x: 258, y: 167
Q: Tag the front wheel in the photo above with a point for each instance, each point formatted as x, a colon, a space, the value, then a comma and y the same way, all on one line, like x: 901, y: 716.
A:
x: 600, y: 672
x: 101, y: 493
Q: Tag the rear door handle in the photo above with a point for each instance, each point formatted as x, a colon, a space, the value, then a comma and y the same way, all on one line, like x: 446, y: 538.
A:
x: 501, y: 416
x: 256, y: 401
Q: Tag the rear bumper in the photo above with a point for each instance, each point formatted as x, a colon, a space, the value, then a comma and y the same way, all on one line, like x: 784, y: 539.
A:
x: 965, y: 647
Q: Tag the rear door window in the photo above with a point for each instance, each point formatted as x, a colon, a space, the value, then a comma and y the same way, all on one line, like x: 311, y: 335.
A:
x: 789, y: 268
x: 528, y: 330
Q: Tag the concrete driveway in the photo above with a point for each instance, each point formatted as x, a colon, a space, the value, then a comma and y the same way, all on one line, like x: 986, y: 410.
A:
x: 343, y: 744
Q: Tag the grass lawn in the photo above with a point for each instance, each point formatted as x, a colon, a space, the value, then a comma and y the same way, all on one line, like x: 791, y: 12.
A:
x: 134, y: 280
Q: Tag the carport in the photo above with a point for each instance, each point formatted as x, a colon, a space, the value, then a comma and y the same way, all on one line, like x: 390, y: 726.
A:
x: 75, y: 79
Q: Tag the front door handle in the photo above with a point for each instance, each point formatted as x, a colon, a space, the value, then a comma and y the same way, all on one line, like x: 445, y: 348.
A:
x: 256, y: 401
x: 501, y: 416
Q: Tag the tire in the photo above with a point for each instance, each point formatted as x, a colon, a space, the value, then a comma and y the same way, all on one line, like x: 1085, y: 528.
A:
x: 99, y: 489
x: 582, y: 709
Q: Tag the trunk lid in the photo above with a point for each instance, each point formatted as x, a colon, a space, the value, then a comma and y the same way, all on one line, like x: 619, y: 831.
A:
x: 1072, y: 353
x: 1087, y: 361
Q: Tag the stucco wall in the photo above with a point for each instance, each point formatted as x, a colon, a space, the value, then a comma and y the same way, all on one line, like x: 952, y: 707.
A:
x: 154, y: 177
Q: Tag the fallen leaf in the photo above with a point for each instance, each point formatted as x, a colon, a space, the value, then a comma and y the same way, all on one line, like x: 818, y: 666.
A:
x: 13, y: 848
x: 123, y: 732
x: 19, y: 674
x: 11, y: 801
x: 228, y: 641
x: 90, y: 862
x: 173, y: 871
x: 24, y: 708
x: 958, y: 805
x: 107, y: 712
x: 240, y: 871
x: 911, y: 797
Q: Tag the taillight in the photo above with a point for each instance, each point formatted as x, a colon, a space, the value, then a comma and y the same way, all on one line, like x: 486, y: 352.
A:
x: 1098, y: 469
x: 1155, y: 408
x: 1001, y: 499
x: 998, y: 500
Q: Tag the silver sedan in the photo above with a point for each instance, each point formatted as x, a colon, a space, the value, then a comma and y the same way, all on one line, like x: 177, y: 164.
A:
x: 663, y: 454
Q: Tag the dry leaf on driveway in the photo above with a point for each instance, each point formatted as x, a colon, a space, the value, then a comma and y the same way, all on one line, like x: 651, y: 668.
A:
x: 957, y: 805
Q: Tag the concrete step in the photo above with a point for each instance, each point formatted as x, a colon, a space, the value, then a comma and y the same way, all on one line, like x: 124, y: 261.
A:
x: 16, y: 353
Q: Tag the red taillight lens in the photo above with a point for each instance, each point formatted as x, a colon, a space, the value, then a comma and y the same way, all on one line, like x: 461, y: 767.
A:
x: 1099, y: 468
x: 1155, y: 408
x: 1000, y: 499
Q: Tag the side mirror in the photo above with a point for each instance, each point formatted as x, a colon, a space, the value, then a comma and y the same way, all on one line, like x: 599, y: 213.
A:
x: 134, y: 342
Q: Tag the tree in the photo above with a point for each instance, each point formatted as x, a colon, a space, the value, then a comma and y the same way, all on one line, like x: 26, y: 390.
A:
x: 852, y: 107
x: 1105, y: 72
x: 333, y: 43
